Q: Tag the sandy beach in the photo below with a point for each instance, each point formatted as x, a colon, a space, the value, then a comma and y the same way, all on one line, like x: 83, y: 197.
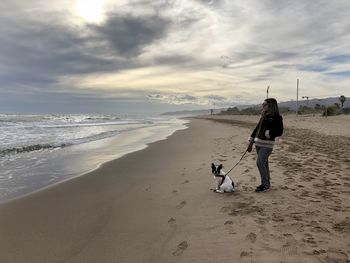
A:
x: 155, y: 205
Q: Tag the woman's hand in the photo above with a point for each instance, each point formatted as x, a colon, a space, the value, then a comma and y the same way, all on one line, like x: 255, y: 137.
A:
x: 250, y: 147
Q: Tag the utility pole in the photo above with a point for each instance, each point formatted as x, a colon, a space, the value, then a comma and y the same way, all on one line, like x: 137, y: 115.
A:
x: 297, y: 97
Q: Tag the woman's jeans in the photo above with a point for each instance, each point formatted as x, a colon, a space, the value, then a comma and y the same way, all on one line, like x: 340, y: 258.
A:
x: 262, y: 161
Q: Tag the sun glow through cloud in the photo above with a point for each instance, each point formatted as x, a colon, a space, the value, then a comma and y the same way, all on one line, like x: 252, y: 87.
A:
x: 90, y: 10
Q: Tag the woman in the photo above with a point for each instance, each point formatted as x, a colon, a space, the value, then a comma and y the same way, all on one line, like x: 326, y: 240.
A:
x: 269, y: 127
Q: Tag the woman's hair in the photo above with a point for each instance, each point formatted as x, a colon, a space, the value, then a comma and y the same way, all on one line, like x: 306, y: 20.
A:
x: 272, y: 106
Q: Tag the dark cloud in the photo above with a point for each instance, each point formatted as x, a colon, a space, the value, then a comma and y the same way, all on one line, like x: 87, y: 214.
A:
x: 338, y: 59
x: 313, y: 68
x: 252, y: 52
x: 129, y: 35
x: 38, y: 53
x: 343, y: 74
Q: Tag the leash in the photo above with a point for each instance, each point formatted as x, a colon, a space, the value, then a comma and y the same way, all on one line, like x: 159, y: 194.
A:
x: 238, y: 161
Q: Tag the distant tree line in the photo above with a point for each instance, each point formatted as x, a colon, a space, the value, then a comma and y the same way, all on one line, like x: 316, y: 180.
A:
x: 249, y: 111
x: 325, y: 110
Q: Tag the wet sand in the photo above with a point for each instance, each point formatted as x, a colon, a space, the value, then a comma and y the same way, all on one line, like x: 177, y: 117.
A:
x: 155, y: 205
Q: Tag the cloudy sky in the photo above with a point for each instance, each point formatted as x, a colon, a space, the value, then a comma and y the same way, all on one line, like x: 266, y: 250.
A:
x: 152, y: 56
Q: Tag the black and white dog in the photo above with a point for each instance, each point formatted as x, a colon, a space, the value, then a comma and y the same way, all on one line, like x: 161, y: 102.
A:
x: 223, y: 182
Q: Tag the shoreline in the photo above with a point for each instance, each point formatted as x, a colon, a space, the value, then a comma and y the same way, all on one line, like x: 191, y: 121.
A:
x: 76, y: 160
x: 124, y: 154
x: 155, y: 205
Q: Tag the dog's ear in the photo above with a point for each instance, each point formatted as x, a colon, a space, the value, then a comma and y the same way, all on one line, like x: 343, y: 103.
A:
x: 213, y: 167
x: 219, y: 168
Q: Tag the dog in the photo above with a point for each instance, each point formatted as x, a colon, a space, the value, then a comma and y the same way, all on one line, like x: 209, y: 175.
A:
x: 224, y: 184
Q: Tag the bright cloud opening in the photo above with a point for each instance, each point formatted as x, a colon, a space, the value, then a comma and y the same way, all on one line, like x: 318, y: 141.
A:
x: 92, y: 11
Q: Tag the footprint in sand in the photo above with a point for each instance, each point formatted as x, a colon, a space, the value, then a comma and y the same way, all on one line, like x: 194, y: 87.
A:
x: 317, y: 227
x: 181, y: 205
x: 252, y: 178
x: 309, y: 240
x: 316, y: 252
x: 185, y: 182
x: 277, y: 217
x: 172, y: 220
x: 251, y: 237
x: 229, y: 226
x: 336, y: 255
x: 180, y: 248
x: 290, y: 247
x: 246, y: 254
x: 342, y: 226
x: 262, y: 220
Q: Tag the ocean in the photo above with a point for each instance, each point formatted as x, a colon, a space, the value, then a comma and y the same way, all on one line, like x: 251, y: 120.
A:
x: 37, y: 151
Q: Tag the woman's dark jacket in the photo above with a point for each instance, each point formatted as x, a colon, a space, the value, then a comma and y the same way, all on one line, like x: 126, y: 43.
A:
x: 270, y: 123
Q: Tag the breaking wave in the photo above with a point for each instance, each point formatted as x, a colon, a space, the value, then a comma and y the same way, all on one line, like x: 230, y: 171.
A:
x: 52, y: 146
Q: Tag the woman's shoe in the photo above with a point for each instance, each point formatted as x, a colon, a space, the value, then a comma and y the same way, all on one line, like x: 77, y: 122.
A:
x: 262, y: 188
